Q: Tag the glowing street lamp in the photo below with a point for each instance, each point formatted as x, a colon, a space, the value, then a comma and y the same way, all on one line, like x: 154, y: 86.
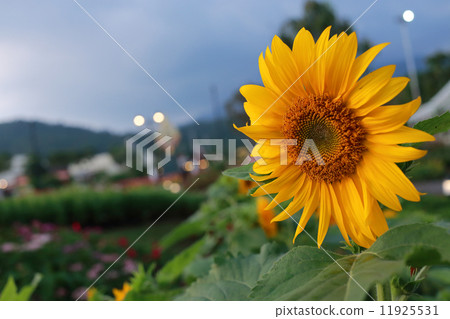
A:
x: 139, y: 120
x: 158, y: 117
x: 407, y: 17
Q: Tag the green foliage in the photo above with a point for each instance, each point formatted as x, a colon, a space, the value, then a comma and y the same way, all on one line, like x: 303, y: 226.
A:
x: 174, y: 268
x: 226, y: 256
x: 402, y: 241
x: 101, y: 208
x: 240, y: 172
x: 435, y: 75
x: 11, y: 293
x: 305, y: 273
x: 289, y: 275
x: 231, y: 278
x: 435, y: 125
x: 184, y: 230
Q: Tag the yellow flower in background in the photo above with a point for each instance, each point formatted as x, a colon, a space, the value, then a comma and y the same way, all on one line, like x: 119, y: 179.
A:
x: 390, y: 214
x: 245, y: 186
x: 265, y: 217
x: 91, y: 293
x: 121, y: 294
x: 316, y: 92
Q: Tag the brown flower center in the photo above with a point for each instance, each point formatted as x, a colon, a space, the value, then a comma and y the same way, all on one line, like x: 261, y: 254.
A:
x: 330, y: 139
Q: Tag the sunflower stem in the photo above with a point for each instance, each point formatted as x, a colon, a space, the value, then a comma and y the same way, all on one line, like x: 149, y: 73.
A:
x: 396, y: 291
x: 380, y: 291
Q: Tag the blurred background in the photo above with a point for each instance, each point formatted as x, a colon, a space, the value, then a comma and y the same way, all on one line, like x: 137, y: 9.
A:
x: 70, y: 97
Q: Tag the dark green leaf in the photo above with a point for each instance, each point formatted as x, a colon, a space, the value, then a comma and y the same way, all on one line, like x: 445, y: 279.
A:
x: 437, y: 124
x: 174, y: 268
x: 240, y: 172
x: 233, y: 278
x: 402, y: 241
x: 184, y: 230
x: 289, y: 275
x: 307, y: 273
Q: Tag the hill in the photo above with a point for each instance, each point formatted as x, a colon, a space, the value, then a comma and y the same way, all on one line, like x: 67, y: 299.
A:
x: 24, y: 137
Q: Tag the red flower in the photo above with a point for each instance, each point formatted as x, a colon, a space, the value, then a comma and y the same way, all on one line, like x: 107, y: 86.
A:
x: 132, y: 253
x: 123, y: 242
x: 412, y: 271
x: 156, y: 251
x: 76, y: 226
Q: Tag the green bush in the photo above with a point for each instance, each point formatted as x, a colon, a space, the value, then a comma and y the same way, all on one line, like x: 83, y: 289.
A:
x: 97, y: 208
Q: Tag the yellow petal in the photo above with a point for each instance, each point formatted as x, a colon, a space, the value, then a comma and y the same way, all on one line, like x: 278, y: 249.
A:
x: 324, y: 213
x: 387, y: 93
x: 259, y: 132
x: 288, y: 177
x: 376, y: 185
x: 369, y: 86
x: 288, y: 192
x: 303, y: 52
x: 355, y: 209
x: 265, y: 76
x: 390, y: 178
x: 309, y: 209
x: 377, y: 220
x: 390, y: 117
x: 340, y: 66
x: 265, y: 166
x: 401, y: 135
x: 297, y: 203
x: 319, y: 62
x: 362, y: 62
x: 337, y: 213
x: 395, y: 153
x: 284, y: 61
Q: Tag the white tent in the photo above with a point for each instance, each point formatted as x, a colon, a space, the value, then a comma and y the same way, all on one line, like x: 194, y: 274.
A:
x: 440, y: 103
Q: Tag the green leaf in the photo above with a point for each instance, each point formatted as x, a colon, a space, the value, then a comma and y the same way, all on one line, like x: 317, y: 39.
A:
x: 437, y: 124
x: 183, y: 231
x: 289, y: 275
x: 307, y: 273
x: 174, y: 268
x: 403, y: 242
x: 26, y: 292
x: 233, y: 278
x: 367, y: 270
x: 240, y: 172
x: 10, y: 293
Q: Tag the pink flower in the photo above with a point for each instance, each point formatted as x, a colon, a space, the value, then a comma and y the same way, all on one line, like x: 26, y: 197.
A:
x: 129, y: 266
x: 8, y: 247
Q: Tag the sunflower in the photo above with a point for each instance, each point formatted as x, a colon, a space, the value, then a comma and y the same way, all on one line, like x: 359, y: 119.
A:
x: 245, y: 186
x: 315, y: 95
x: 265, y: 216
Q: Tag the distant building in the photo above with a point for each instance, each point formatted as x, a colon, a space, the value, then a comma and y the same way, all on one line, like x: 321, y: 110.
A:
x: 100, y: 163
x: 16, y: 169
